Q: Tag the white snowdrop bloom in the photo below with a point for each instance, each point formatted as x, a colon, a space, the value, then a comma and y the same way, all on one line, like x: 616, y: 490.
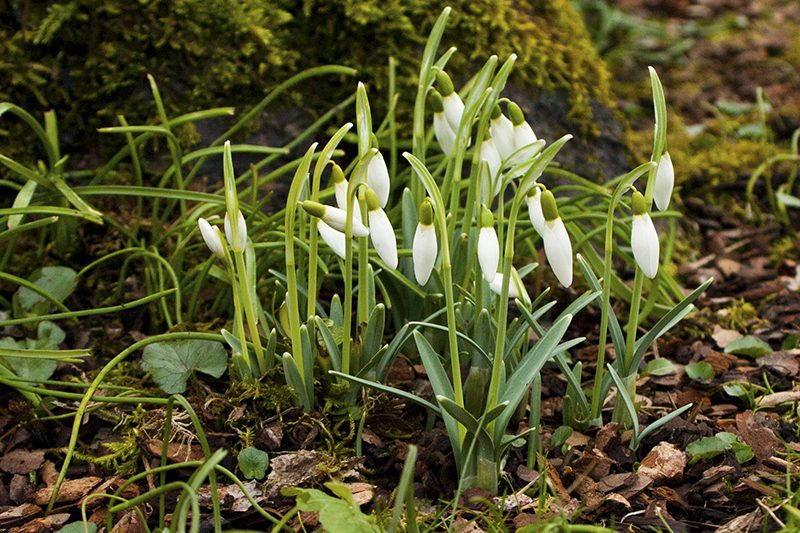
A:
x: 488, y: 246
x: 513, y: 288
x: 340, y: 186
x: 445, y: 135
x: 335, y: 239
x: 241, y: 228
x: 535, y: 210
x: 212, y: 237
x: 378, y: 178
x: 523, y: 134
x: 381, y: 230
x: 665, y: 180
x: 425, y: 247
x: 453, y: 106
x: 557, y: 245
x: 644, y: 238
x: 502, y: 131
x: 334, y: 217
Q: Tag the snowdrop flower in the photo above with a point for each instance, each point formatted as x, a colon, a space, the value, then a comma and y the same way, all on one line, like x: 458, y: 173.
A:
x: 557, y: 245
x: 335, y: 239
x: 488, y: 245
x: 644, y: 239
x: 212, y: 237
x: 665, y: 179
x: 490, y: 154
x: 445, y: 135
x: 378, y: 175
x: 502, y: 131
x: 381, y: 230
x: 334, y: 217
x: 523, y: 133
x: 340, y: 186
x: 241, y: 227
x: 425, y: 247
x: 535, y: 210
x: 453, y: 106
x: 515, y: 288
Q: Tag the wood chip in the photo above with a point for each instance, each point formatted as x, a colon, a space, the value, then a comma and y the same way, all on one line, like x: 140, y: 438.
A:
x: 724, y: 337
x: 176, y: 452
x: 761, y: 440
x: 777, y: 398
x: 71, y: 490
x: 782, y: 362
x: 22, y: 461
x: 17, y: 516
x: 664, y: 464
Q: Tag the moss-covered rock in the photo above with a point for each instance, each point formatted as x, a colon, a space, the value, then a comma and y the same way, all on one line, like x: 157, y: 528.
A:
x: 88, y: 58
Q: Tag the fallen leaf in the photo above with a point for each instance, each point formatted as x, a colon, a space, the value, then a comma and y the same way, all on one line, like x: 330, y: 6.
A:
x: 664, y: 464
x: 761, y: 440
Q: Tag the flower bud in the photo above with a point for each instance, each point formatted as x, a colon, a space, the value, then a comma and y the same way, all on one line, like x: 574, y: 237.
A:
x: 665, y: 180
x: 425, y: 247
x: 381, y: 230
x: 334, y: 217
x: 488, y: 246
x: 212, y: 238
x: 241, y: 228
x: 502, y: 131
x: 644, y: 238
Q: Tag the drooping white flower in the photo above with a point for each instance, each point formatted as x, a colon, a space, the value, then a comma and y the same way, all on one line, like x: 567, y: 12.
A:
x: 212, y: 237
x: 488, y: 246
x: 513, y: 288
x: 502, y: 131
x: 523, y: 134
x: 453, y: 106
x: 445, y: 135
x: 335, y: 239
x: 665, y: 180
x: 425, y: 247
x: 381, y: 230
x: 334, y: 217
x: 241, y: 229
x: 490, y: 154
x: 644, y: 238
x: 378, y: 176
x: 535, y: 210
x: 340, y: 186
x: 557, y: 245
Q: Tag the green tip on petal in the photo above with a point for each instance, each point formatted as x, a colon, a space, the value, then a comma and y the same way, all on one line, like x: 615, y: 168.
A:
x: 444, y: 83
x: 337, y: 174
x: 436, y: 101
x: 426, y: 213
x: 638, y: 203
x: 374, y: 141
x: 313, y: 208
x: 496, y: 112
x: 487, y: 219
x: 549, y: 209
x: 372, y: 200
x: 515, y: 114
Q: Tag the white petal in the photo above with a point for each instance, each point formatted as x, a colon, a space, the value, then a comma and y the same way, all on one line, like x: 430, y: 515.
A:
x: 523, y: 136
x: 211, y: 236
x: 535, y: 211
x: 665, y: 180
x: 337, y: 218
x: 378, y: 178
x: 453, y: 109
x: 383, y: 239
x: 445, y: 135
x: 644, y: 242
x: 335, y: 239
x: 242, y: 232
x: 558, y: 248
x: 423, y: 251
x: 340, y: 192
x: 497, y: 286
x: 488, y: 252
x: 490, y: 154
x: 502, y: 131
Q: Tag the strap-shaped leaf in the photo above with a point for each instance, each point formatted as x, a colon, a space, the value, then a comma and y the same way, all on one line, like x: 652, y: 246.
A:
x: 657, y: 424
x: 22, y: 199
x: 390, y: 390
x: 474, y: 427
x: 433, y: 366
x: 622, y: 392
x: 294, y: 381
x: 518, y: 383
x: 617, y: 338
x: 330, y: 343
x: 374, y: 333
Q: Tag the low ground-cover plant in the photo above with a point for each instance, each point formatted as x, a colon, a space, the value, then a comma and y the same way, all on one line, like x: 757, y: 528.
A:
x: 449, y: 241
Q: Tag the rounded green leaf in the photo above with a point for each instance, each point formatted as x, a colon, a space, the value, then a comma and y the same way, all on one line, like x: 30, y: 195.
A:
x: 253, y: 463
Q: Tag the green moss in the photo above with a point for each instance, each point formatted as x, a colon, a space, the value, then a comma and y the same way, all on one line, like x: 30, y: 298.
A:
x: 88, y: 59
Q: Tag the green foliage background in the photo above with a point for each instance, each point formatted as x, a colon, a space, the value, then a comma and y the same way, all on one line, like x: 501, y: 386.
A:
x: 88, y: 59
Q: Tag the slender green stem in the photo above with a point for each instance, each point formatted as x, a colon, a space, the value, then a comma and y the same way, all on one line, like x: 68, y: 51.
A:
x: 252, y: 321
